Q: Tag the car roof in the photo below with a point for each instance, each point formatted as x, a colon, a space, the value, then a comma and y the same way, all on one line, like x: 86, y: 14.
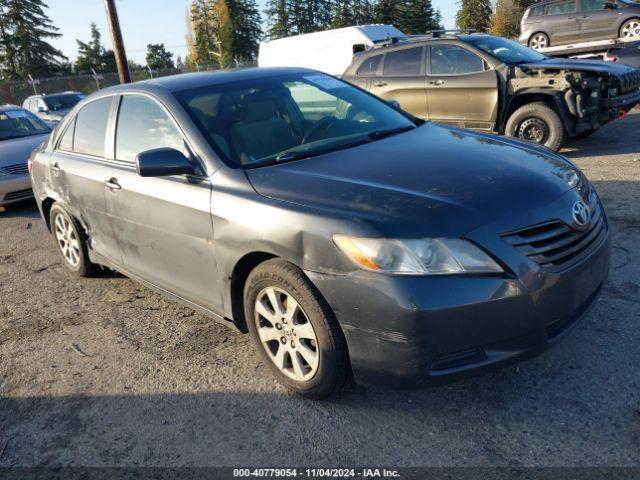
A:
x: 187, y: 81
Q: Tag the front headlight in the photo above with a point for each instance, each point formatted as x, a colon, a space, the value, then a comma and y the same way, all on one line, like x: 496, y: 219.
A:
x: 429, y: 256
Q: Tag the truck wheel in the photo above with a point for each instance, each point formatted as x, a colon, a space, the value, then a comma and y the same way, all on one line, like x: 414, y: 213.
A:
x: 630, y: 28
x: 71, y: 241
x: 538, y: 123
x: 295, y: 330
x: 539, y: 40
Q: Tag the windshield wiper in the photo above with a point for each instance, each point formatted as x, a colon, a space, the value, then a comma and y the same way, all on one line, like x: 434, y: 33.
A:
x: 295, y: 155
x: 378, y: 134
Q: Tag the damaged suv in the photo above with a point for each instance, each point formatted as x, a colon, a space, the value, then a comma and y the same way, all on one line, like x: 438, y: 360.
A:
x: 493, y: 84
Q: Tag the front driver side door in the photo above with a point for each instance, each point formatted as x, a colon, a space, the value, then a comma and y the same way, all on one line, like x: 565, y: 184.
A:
x: 163, y: 224
x: 461, y: 89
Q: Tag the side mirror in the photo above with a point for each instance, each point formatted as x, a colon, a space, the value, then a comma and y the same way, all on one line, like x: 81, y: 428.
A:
x: 163, y: 162
x: 40, y: 109
x: 610, y: 5
x: 394, y: 104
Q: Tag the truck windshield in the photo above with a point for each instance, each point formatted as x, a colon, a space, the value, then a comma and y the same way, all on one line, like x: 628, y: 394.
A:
x: 289, y: 117
x: 507, y: 51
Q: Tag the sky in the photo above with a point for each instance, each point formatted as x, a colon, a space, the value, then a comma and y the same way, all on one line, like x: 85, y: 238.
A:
x: 143, y: 22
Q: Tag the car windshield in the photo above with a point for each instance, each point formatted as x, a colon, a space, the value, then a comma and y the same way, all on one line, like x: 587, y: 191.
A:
x: 507, y: 51
x: 289, y: 117
x: 20, y: 123
x: 62, y: 102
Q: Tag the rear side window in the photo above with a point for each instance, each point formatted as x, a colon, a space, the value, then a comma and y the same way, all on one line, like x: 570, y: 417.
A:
x: 592, y: 5
x: 91, y: 127
x: 454, y: 60
x: 370, y: 66
x: 405, y: 62
x: 561, y: 7
x: 144, y: 125
x: 536, y: 11
x: 66, y: 142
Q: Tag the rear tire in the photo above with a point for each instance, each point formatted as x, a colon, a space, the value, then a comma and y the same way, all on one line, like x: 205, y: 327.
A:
x: 538, y: 123
x: 71, y: 242
x: 630, y: 28
x: 309, y: 335
x: 539, y: 40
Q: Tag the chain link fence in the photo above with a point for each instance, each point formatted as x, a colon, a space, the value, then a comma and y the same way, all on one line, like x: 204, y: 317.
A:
x: 15, y: 92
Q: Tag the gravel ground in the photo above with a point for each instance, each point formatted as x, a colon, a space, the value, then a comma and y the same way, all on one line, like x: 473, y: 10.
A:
x: 103, y: 372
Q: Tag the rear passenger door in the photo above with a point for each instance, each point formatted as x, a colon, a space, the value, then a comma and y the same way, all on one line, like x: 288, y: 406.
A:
x: 79, y: 171
x: 163, y: 224
x: 461, y: 88
x: 597, y: 22
x: 561, y: 22
x: 401, y: 78
x: 367, y: 72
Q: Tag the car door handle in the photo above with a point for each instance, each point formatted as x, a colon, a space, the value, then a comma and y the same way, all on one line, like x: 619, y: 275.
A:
x: 380, y: 84
x: 437, y: 82
x: 572, y: 17
x: 112, y: 184
x: 56, y: 167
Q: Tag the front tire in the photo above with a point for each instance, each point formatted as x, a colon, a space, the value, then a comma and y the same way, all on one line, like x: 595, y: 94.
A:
x: 71, y: 242
x: 538, y: 123
x: 295, y: 330
x: 539, y: 41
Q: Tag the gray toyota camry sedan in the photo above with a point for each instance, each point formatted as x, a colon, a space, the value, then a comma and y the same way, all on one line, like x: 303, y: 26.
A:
x: 349, y: 239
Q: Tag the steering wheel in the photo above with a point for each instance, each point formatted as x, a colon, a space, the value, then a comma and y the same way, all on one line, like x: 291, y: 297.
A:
x: 322, y: 124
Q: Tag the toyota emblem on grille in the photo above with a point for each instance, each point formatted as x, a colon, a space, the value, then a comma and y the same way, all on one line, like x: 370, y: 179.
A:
x: 581, y: 214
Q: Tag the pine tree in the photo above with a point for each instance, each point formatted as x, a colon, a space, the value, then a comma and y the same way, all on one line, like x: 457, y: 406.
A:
x: 92, y: 55
x: 278, y: 22
x: 247, y: 25
x: 24, y: 50
x: 352, y: 12
x: 309, y: 15
x: 387, y: 12
x: 474, y: 14
x: 158, y: 58
x: 223, y: 23
x: 416, y: 17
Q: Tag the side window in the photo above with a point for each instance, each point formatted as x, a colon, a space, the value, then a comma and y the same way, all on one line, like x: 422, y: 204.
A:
x: 561, y: 8
x: 144, y: 125
x: 592, y: 5
x: 91, y: 127
x: 404, y: 62
x: 454, y: 60
x: 536, y: 11
x: 370, y: 66
x: 66, y: 142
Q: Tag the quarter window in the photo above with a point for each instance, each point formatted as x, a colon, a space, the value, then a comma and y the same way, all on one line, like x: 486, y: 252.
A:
x: 370, y: 66
x: 454, y: 60
x: 560, y: 8
x: 66, y: 142
x: 143, y: 125
x: 91, y: 127
x: 536, y: 11
x: 404, y: 62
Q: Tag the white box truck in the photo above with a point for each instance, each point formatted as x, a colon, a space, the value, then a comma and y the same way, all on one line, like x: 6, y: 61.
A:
x: 329, y: 51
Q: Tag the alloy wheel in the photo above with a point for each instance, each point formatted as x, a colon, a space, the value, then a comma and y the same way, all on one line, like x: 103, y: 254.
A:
x: 286, y: 334
x: 631, y: 29
x: 534, y: 130
x: 68, y: 241
x: 539, y: 41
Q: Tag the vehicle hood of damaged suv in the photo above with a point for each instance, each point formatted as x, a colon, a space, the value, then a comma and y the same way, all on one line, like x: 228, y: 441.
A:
x: 431, y: 181
x: 579, y: 65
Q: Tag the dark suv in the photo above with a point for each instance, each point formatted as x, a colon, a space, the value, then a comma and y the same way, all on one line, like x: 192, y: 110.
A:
x: 567, y: 21
x: 490, y: 83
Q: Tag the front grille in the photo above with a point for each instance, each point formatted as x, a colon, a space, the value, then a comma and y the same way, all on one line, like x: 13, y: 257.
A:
x: 19, y: 195
x: 555, y: 245
x: 630, y: 81
x: 16, y: 169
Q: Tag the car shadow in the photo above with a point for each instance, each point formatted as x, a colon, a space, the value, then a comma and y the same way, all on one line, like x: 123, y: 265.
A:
x: 617, y: 138
x: 24, y: 209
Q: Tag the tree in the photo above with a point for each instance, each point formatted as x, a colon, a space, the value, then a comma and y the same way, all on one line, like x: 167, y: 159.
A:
x: 387, y: 12
x: 417, y: 16
x: 247, y: 28
x: 308, y: 16
x: 24, y: 50
x: 278, y: 23
x: 505, y: 22
x: 92, y: 55
x: 352, y: 12
x: 474, y: 14
x: 180, y: 65
x: 158, y: 58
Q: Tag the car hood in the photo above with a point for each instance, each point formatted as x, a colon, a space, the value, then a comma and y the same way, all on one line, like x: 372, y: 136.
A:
x: 431, y: 181
x: 615, y: 69
x: 18, y: 150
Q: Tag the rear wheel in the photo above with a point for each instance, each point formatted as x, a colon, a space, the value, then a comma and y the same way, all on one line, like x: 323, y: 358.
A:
x: 295, y: 330
x: 539, y: 40
x: 630, y: 28
x: 71, y: 242
x: 538, y: 123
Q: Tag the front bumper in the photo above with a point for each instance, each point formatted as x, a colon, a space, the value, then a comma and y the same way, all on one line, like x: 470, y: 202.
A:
x: 410, y: 331
x: 14, y: 188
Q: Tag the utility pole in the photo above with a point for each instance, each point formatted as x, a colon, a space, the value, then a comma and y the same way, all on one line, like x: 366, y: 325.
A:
x: 118, y: 45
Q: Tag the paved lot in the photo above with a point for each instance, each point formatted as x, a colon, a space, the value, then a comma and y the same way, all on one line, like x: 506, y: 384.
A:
x: 105, y: 372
